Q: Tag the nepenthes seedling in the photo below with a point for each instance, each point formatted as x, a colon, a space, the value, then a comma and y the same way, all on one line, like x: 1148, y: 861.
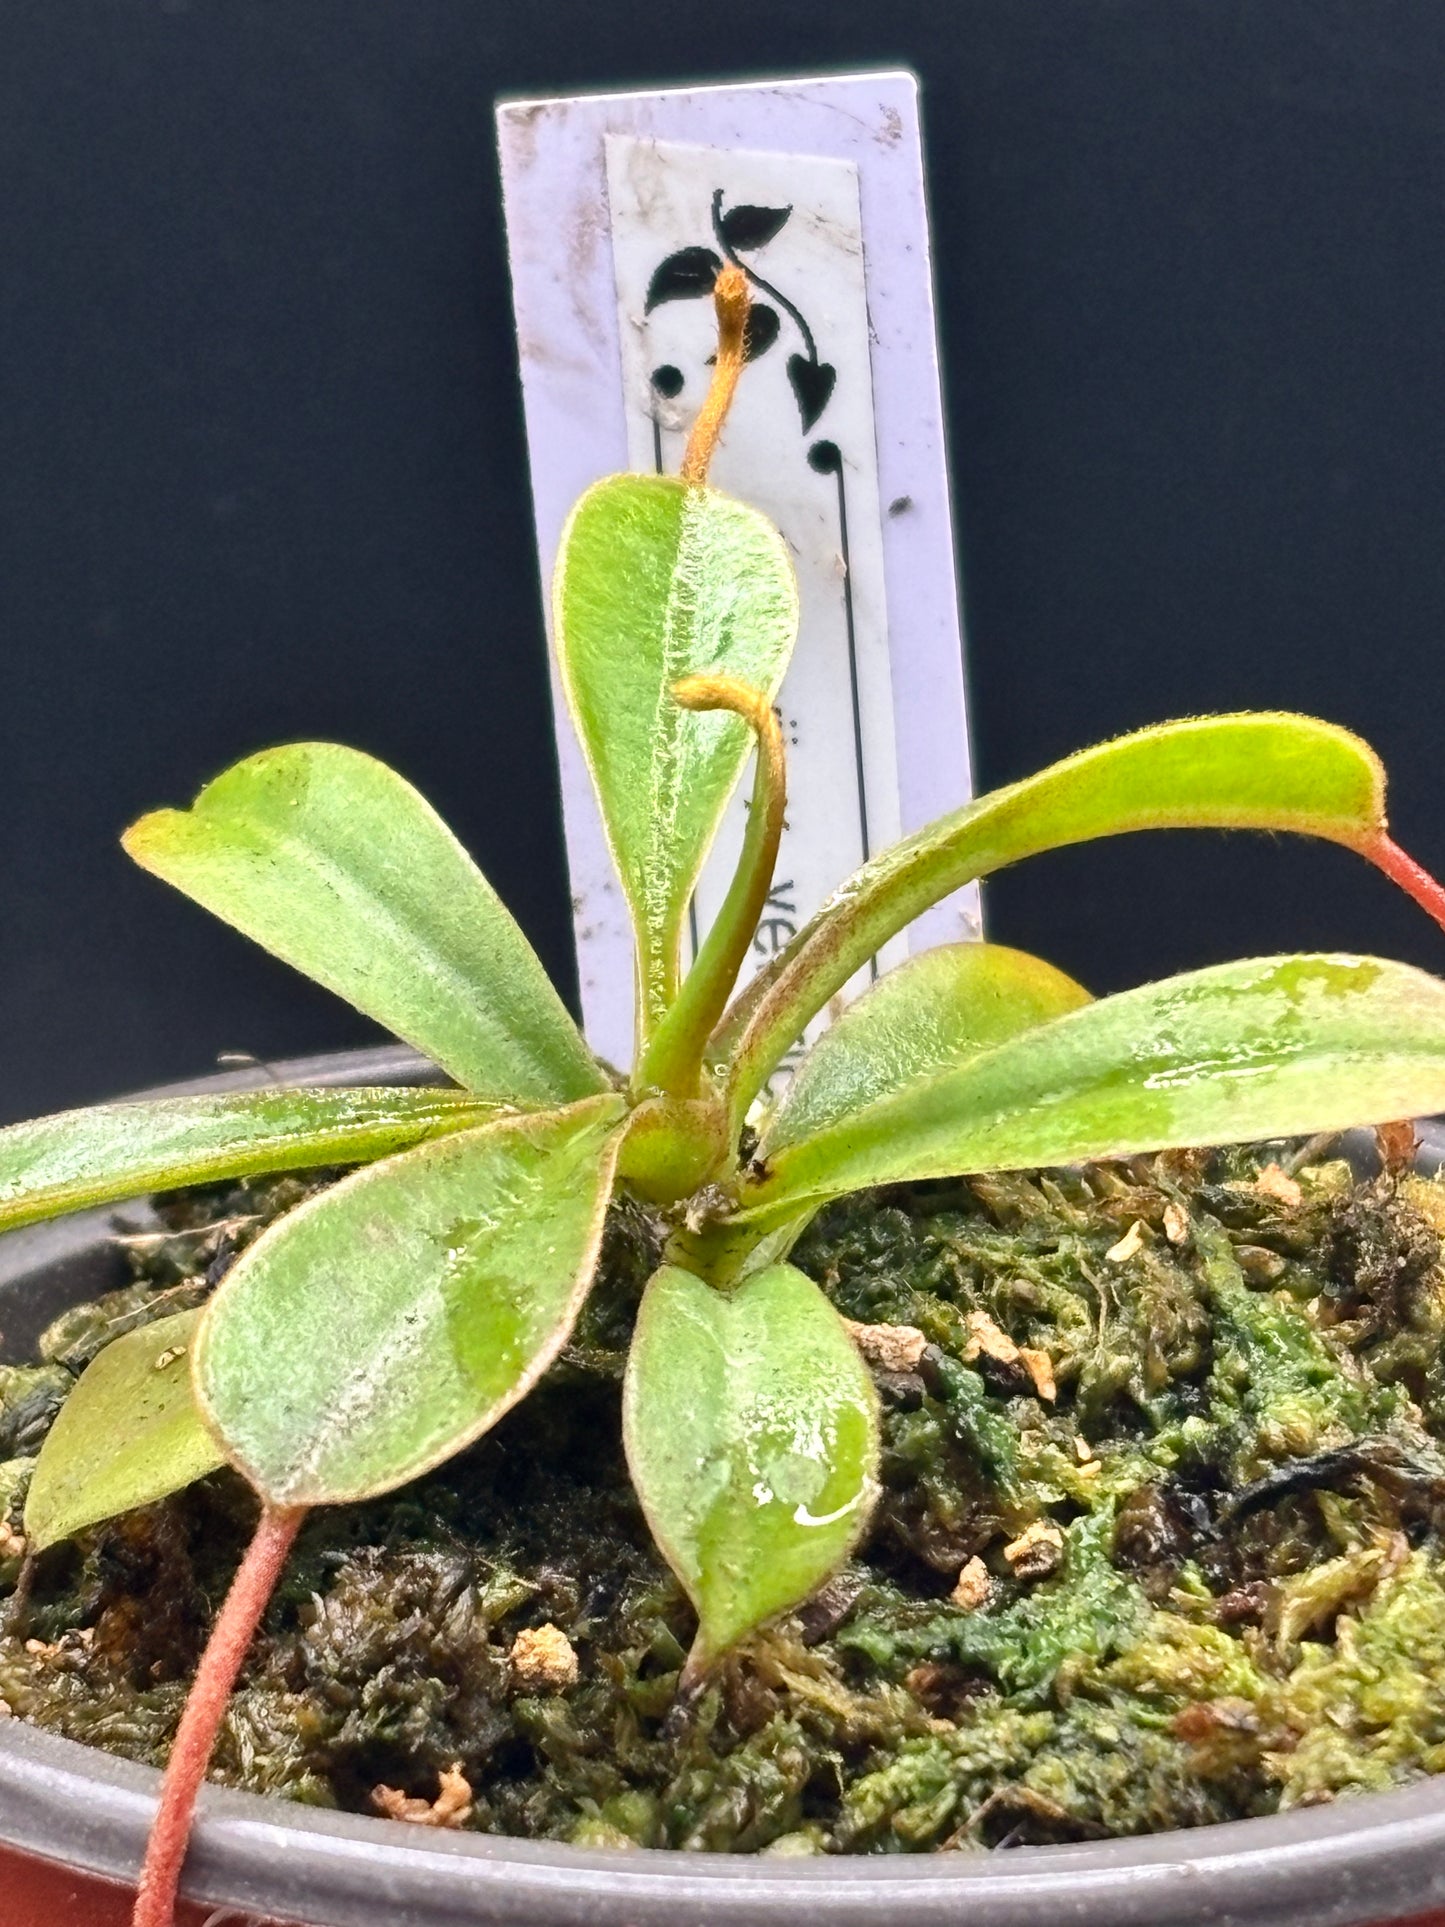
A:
x: 391, y: 1319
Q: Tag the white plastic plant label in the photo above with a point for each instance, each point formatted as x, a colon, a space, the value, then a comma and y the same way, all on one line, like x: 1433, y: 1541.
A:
x: 620, y: 211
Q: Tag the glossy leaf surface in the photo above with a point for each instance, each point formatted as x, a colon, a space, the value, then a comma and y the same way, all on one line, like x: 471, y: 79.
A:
x: 334, y: 863
x: 656, y: 581
x: 1265, y: 1048
x: 128, y: 1434
x: 752, y: 1435
x: 78, y: 1158
x: 388, y: 1322
x: 930, y: 1014
x: 1260, y: 772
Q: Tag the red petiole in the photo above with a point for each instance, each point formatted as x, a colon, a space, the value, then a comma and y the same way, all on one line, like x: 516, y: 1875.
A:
x: 205, y: 1709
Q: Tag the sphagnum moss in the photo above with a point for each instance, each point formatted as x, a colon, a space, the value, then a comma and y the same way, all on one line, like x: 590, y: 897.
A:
x: 1207, y: 1574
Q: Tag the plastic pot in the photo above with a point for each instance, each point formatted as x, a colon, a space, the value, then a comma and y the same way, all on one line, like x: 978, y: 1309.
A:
x: 73, y: 1821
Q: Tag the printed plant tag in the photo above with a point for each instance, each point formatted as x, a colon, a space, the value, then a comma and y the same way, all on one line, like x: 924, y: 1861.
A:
x: 620, y: 211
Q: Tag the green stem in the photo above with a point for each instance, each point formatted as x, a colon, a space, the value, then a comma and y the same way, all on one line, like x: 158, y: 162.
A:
x: 723, y: 1253
x: 673, y: 1059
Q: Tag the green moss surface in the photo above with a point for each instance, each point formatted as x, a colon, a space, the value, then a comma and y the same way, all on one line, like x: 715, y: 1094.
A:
x: 1209, y: 1575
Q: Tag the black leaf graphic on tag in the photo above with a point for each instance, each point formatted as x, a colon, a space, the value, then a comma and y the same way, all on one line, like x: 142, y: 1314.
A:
x: 683, y: 276
x: 763, y: 325
x: 812, y: 384
x: 751, y: 227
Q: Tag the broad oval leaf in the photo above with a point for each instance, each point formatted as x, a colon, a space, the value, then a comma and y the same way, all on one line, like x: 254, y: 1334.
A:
x: 931, y: 1013
x: 751, y: 1428
x: 1260, y: 772
x: 78, y: 1158
x: 1270, y: 1047
x: 128, y: 1434
x: 386, y: 1323
x: 335, y: 864
x: 658, y: 580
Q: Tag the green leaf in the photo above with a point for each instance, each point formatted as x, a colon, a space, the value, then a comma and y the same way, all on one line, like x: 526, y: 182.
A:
x: 333, y: 863
x: 1259, y: 772
x: 659, y: 580
x: 931, y: 1013
x: 752, y: 1434
x: 128, y: 1434
x: 386, y: 1323
x: 1271, y: 1047
x: 79, y: 1158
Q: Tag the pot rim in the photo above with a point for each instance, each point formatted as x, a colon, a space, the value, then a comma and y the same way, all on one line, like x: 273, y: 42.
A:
x: 1368, y: 1858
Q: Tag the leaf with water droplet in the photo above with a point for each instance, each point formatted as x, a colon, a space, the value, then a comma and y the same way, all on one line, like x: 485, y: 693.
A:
x: 128, y: 1434
x: 335, y: 864
x: 389, y: 1321
x: 930, y: 1014
x: 1260, y: 772
x: 1271, y: 1047
x: 752, y: 1435
x: 658, y: 580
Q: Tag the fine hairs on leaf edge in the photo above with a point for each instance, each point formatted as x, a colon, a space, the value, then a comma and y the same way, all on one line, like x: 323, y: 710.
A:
x: 881, y: 899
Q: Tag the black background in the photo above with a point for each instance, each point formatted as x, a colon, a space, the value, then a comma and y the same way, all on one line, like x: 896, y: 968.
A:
x: 262, y: 472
